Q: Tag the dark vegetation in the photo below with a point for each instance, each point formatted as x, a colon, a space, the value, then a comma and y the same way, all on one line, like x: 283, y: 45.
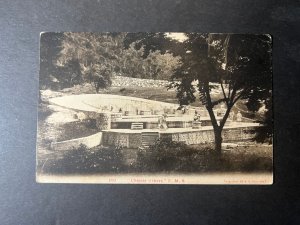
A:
x: 240, y: 63
x: 68, y: 59
x: 164, y: 156
x: 168, y: 156
x: 77, y: 129
x: 83, y: 160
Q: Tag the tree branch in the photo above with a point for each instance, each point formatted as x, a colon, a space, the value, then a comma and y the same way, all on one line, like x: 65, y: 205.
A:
x: 214, y: 103
x: 240, y: 95
x: 209, y: 107
x: 229, y: 88
x: 232, y: 97
x: 224, y: 119
x: 230, y: 105
x: 225, y: 97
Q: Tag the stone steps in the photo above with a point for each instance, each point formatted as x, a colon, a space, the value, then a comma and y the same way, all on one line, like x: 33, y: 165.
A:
x: 149, y: 138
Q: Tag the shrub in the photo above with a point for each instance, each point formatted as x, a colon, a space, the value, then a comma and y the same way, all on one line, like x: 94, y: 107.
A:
x: 82, y: 160
x: 169, y: 156
x: 241, y: 162
x: 164, y: 156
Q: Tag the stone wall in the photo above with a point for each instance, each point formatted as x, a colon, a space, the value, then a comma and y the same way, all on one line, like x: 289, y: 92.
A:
x: 207, y: 136
x: 122, y: 139
x: 133, y: 140
x: 103, y: 121
x: 120, y: 81
x: 112, y: 103
x: 89, y: 141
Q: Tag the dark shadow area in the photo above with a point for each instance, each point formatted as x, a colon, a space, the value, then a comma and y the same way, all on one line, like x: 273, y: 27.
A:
x: 162, y: 157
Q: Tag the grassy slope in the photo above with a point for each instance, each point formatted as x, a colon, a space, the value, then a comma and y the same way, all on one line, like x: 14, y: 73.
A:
x: 151, y: 93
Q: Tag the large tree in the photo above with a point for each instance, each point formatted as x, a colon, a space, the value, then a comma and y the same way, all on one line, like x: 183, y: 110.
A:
x: 151, y: 42
x: 99, y: 56
x: 49, y: 50
x: 240, y: 65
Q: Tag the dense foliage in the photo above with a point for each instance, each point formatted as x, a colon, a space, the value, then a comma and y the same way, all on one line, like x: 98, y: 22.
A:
x: 164, y: 156
x: 168, y: 156
x: 73, y: 58
x: 83, y: 160
x: 238, y: 64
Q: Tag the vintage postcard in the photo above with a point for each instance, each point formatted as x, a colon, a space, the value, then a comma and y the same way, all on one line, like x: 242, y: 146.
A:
x: 155, y: 108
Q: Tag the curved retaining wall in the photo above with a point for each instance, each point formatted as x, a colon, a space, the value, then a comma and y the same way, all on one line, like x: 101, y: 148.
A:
x: 190, y: 137
x: 96, y: 102
x: 89, y: 141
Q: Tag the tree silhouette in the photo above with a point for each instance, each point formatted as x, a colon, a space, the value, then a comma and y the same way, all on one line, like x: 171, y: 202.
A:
x: 96, y: 57
x: 240, y: 65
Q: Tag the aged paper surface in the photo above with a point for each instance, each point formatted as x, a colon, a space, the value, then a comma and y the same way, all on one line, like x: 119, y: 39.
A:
x: 155, y: 108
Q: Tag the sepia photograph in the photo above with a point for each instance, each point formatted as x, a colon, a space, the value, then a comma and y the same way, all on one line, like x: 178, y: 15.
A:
x: 155, y: 108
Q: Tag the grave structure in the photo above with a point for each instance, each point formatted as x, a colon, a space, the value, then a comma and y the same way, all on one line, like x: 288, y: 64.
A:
x: 134, y: 122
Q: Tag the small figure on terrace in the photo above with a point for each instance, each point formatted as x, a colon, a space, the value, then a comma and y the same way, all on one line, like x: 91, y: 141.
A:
x: 221, y: 111
x: 231, y: 116
x: 162, y: 122
x: 183, y: 109
x: 196, y: 117
x: 196, y: 123
x: 239, y: 117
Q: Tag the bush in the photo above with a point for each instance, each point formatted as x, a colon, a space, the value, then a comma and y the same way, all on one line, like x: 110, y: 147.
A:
x: 76, y: 129
x: 244, y: 163
x: 82, y: 160
x: 164, y: 156
x: 240, y: 162
x: 169, y: 156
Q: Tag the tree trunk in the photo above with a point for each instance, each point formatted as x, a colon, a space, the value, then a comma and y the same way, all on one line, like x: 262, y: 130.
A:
x: 217, y: 128
x: 218, y: 141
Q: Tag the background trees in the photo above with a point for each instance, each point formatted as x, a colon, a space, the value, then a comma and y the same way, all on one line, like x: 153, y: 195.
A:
x: 49, y: 50
x: 238, y: 64
x: 97, y: 56
x: 75, y: 58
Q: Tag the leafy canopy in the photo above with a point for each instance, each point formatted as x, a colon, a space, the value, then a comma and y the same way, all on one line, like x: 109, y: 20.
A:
x: 101, y: 56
